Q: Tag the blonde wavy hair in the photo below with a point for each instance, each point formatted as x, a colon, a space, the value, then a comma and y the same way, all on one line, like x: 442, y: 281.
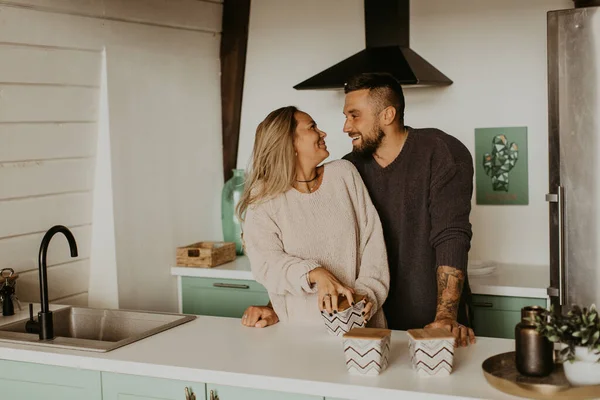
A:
x: 273, y: 167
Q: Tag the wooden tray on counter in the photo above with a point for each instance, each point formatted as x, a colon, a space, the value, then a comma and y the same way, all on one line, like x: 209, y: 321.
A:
x: 205, y: 254
x: 501, y: 372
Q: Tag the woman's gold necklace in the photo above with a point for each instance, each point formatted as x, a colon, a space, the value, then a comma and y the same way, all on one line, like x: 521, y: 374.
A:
x: 310, y: 189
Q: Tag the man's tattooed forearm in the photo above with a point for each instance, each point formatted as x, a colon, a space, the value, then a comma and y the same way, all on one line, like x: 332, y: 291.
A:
x: 450, y: 283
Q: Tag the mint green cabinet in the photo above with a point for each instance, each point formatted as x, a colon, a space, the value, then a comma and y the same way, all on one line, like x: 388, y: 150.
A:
x: 219, y: 392
x: 220, y: 297
x: 20, y: 380
x: 497, y: 316
x: 25, y: 381
x: 133, y: 387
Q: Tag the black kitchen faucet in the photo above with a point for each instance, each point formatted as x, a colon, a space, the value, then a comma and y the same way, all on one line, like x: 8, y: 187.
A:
x: 44, y: 324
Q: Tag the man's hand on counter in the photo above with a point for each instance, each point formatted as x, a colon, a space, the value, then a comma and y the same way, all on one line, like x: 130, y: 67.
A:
x: 463, y: 335
x: 450, y: 283
x: 259, y: 316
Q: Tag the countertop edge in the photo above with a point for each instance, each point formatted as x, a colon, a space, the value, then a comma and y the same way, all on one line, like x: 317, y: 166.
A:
x: 214, y: 273
x: 236, y: 269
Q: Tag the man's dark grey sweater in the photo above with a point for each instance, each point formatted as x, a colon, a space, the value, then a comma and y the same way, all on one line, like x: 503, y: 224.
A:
x: 424, y: 200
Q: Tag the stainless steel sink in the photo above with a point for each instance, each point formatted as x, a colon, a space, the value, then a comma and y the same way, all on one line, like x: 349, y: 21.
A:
x: 93, y: 329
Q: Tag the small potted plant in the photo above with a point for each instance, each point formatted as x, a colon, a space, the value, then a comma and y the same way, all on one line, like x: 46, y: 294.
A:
x: 579, y: 333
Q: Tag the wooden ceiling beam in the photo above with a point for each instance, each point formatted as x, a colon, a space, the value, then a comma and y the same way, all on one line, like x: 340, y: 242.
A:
x: 234, y: 43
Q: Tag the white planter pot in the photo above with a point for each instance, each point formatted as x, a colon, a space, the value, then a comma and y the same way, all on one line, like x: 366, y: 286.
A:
x: 584, y: 370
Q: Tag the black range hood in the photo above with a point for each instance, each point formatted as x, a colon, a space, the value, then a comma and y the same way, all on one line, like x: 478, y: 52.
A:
x: 387, y: 32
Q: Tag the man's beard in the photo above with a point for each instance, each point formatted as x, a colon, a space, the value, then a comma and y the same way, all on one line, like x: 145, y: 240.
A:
x: 369, y: 145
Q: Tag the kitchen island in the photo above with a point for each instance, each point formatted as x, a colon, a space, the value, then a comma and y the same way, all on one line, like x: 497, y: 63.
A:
x: 281, y: 358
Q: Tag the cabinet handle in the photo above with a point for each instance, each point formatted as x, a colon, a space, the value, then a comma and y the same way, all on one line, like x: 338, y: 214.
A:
x: 231, y: 286
x: 483, y: 304
x: 189, y: 394
x: 213, y: 396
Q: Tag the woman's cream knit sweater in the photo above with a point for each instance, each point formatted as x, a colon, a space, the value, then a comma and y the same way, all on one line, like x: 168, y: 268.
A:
x: 336, y: 227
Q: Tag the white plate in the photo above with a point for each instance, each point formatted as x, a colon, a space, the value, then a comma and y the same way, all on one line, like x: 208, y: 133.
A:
x: 481, y: 270
x: 475, y: 264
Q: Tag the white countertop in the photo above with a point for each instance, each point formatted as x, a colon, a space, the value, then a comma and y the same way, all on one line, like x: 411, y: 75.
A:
x: 513, y: 280
x: 506, y: 280
x: 281, y: 358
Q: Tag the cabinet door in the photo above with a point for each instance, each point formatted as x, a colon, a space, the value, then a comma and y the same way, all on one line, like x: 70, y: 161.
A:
x: 133, y: 387
x: 19, y: 380
x: 497, y: 316
x: 218, y: 392
x: 220, y: 297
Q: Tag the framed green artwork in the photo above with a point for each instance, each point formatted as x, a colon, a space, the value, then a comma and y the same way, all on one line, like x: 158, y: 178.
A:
x: 501, y: 175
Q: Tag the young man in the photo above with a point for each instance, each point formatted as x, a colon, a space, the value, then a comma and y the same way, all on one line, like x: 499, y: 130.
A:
x: 421, y: 183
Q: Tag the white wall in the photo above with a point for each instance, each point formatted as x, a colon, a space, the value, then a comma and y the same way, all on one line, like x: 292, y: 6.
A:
x: 493, y: 50
x: 165, y: 126
x: 161, y: 161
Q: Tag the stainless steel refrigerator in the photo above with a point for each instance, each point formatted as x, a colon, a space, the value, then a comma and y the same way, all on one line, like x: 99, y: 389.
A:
x: 574, y: 148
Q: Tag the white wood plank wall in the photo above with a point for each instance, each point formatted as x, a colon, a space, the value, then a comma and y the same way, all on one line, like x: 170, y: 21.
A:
x: 196, y: 15
x: 48, y: 122
x: 162, y: 81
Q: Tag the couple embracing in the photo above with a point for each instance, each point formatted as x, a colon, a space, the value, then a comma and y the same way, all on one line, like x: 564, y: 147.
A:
x: 389, y: 222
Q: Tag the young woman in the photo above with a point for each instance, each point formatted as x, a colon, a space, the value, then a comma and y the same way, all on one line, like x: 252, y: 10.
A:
x: 310, y: 230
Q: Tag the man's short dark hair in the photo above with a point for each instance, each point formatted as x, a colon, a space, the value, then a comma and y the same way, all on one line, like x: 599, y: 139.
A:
x: 384, y: 90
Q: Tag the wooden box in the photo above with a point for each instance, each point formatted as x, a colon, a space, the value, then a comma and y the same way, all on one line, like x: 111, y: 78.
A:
x: 431, y: 351
x: 205, y: 254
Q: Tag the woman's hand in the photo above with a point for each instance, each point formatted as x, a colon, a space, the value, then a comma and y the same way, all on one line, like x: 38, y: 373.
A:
x: 367, y: 311
x: 329, y: 288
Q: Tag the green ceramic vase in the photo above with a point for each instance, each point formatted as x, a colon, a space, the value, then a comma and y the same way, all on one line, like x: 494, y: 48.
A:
x: 230, y: 196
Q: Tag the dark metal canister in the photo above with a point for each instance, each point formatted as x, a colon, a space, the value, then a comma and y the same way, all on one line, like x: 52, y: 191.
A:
x: 534, y: 352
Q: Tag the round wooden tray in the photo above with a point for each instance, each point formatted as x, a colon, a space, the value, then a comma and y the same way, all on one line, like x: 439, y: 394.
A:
x: 501, y: 372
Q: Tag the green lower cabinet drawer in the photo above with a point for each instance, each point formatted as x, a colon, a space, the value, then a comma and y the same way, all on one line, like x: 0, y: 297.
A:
x: 497, y: 316
x: 24, y: 381
x: 220, y: 297
x: 133, y: 387
x: 218, y: 392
